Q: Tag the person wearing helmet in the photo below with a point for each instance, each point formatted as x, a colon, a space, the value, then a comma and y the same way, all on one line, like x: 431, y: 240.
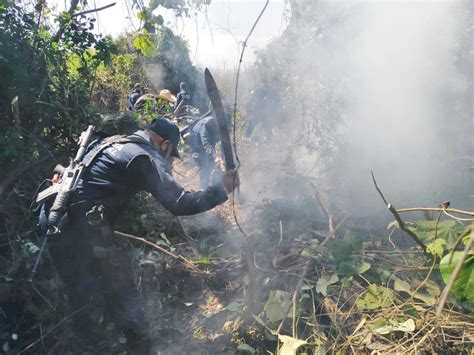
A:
x: 93, y: 265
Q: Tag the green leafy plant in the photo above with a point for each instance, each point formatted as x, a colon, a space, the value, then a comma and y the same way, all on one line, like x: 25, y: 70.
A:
x: 464, y: 285
x: 377, y: 296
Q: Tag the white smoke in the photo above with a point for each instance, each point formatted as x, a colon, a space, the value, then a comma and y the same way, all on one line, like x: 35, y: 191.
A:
x: 390, y: 72
x: 403, y: 79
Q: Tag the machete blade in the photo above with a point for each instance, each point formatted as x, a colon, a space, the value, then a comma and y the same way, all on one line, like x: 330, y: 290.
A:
x: 213, y: 93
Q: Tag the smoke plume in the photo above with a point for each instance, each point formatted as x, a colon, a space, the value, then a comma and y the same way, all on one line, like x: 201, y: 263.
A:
x: 382, y: 86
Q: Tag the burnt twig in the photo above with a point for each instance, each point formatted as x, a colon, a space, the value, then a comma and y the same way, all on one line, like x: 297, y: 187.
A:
x: 334, y: 230
x: 402, y: 225
x: 180, y: 258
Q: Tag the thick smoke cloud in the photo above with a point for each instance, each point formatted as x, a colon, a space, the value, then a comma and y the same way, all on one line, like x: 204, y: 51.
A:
x: 402, y: 95
x: 381, y: 86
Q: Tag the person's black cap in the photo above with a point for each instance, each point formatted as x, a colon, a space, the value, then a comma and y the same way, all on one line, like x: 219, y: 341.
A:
x: 167, y: 130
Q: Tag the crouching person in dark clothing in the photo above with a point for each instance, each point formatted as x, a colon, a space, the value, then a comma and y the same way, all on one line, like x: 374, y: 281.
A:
x: 202, y: 141
x: 98, y: 275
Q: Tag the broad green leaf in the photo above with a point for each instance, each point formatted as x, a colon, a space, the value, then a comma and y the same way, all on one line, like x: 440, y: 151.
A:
x: 323, y: 283
x: 463, y: 287
x: 403, y: 286
x: 448, y: 230
x: 355, y: 241
x: 365, y: 266
x: 346, y: 267
x: 343, y: 249
x: 407, y: 327
x: 276, y: 306
x: 143, y: 43
x: 290, y: 345
x: 322, y: 286
x: 308, y: 252
x: 436, y: 247
x: 376, y: 297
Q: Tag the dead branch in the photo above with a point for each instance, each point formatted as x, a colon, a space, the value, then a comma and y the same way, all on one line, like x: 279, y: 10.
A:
x: 295, y: 294
x: 378, y: 190
x: 249, y: 296
x: 180, y: 258
x: 335, y: 229
x: 404, y: 228
x: 444, y: 296
x: 322, y: 201
x: 93, y: 10
x: 397, y: 217
x: 435, y: 209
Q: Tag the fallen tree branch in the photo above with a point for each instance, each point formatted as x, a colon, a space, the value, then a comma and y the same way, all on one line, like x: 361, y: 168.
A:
x: 180, y: 258
x: 444, y: 295
x: 402, y: 225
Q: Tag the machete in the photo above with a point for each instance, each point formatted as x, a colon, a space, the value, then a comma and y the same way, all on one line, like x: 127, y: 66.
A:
x: 213, y: 93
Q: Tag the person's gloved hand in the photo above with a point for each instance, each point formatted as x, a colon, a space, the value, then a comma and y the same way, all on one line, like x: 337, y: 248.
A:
x: 231, y: 180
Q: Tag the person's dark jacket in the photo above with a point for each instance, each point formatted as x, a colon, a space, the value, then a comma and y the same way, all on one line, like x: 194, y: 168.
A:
x: 124, y: 169
x: 132, y: 98
x: 205, y: 135
x: 185, y: 97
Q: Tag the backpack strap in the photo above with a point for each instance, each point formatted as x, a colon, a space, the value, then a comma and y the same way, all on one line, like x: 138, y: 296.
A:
x: 108, y: 142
